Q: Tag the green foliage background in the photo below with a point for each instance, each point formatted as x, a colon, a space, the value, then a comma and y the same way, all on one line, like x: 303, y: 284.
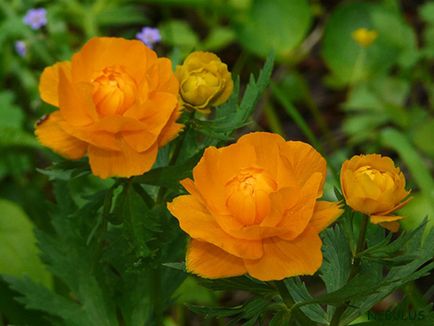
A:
x: 324, y: 89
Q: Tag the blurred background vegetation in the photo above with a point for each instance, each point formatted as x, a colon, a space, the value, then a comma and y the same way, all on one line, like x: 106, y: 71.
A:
x: 340, y: 95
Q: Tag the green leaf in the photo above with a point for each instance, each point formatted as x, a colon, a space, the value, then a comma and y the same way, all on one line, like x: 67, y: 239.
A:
x: 419, y: 267
x: 139, y: 221
x: 292, y: 111
x: 66, y: 170
x: 346, y: 59
x: 10, y: 137
x: 179, y: 34
x: 191, y: 292
x: 238, y: 283
x: 121, y: 15
x: 11, y: 115
x: 399, y: 142
x: 388, y: 249
x: 38, y: 297
x: 15, y: 312
x: 20, y: 256
x: 169, y: 176
x: 250, y: 311
x: 422, y: 135
x: 67, y: 257
x: 230, y: 116
x: 267, y: 27
x: 299, y: 293
x: 416, y: 211
x: 426, y: 11
x: 336, y: 266
x: 219, y: 38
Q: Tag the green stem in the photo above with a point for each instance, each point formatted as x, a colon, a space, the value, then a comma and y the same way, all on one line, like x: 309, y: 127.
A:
x: 293, y: 309
x: 273, y: 120
x: 354, y: 269
x: 175, y: 155
x: 284, y: 294
x: 358, y: 65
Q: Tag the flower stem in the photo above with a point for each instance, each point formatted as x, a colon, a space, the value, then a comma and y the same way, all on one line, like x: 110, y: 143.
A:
x: 284, y: 294
x: 355, y: 267
x: 293, y: 309
x: 176, y: 152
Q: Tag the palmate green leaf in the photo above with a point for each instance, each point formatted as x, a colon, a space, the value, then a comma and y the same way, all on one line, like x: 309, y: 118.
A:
x: 244, y: 283
x: 37, y: 297
x: 336, y: 266
x: 15, y: 312
x: 390, y: 249
x: 299, y: 293
x: 398, y: 276
x: 138, y: 220
x: 248, y: 312
x: 69, y: 258
x: 66, y: 170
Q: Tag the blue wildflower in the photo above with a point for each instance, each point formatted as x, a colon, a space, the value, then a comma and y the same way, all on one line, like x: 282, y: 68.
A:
x: 21, y: 48
x: 149, y: 36
x: 36, y: 18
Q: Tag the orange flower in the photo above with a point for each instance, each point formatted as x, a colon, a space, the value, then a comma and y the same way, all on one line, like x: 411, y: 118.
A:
x: 371, y: 184
x: 117, y: 103
x: 253, y: 209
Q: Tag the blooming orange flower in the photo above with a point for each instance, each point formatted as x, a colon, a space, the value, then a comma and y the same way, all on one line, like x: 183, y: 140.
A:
x: 371, y: 184
x: 253, y: 209
x: 117, y: 103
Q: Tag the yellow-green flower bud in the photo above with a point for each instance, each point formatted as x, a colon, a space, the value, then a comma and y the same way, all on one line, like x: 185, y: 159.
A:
x: 204, y: 80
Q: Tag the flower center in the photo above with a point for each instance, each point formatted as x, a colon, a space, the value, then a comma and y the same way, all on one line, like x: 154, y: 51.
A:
x: 248, y: 195
x: 114, y: 91
x: 384, y: 180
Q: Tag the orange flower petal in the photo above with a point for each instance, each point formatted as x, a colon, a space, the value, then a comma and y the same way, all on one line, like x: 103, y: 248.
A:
x: 166, y: 77
x: 377, y: 219
x: 233, y: 158
x: 102, y: 139
x: 49, y: 82
x: 300, y: 161
x: 75, y: 101
x: 398, y: 206
x: 282, y: 258
x: 101, y: 52
x: 324, y: 214
x: 125, y: 163
x: 266, y: 146
x: 208, y: 182
x: 209, y: 261
x: 50, y: 134
x: 195, y: 220
x: 391, y: 226
x: 298, y: 217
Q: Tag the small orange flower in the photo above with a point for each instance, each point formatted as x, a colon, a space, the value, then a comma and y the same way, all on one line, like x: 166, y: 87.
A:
x: 371, y: 184
x: 117, y: 103
x: 253, y: 209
